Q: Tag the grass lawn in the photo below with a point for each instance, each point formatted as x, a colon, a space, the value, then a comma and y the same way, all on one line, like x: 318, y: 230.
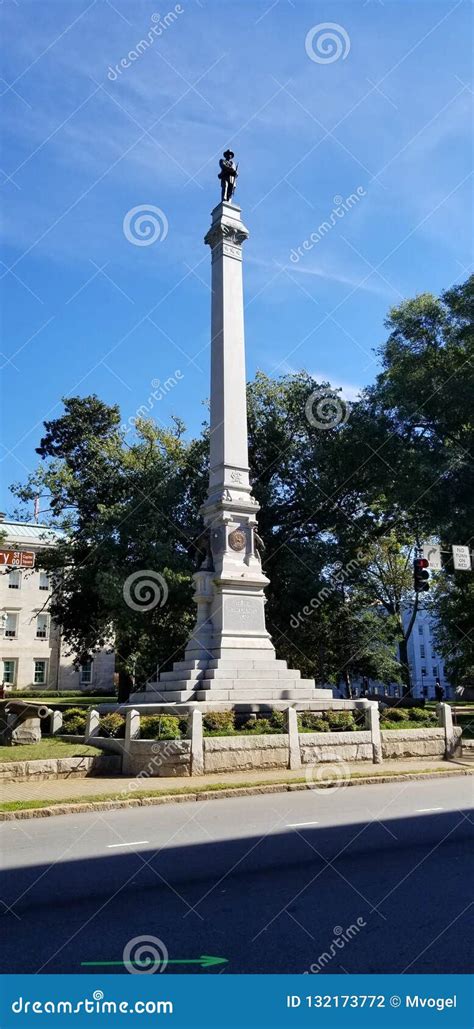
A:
x: 47, y: 748
x: 408, y: 725
x: 60, y: 703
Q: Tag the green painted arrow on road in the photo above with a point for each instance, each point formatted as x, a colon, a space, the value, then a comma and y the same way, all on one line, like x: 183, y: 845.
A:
x: 205, y: 961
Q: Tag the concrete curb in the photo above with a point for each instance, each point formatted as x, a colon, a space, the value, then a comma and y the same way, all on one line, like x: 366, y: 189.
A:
x: 232, y: 791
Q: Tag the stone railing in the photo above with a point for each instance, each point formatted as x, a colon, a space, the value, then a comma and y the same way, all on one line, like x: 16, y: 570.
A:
x: 199, y: 754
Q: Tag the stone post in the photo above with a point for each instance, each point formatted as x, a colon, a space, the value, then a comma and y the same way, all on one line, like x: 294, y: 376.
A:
x: 92, y: 724
x: 56, y: 722
x: 132, y: 732
x: 294, y: 752
x: 194, y: 733
x: 372, y: 721
x: 445, y: 719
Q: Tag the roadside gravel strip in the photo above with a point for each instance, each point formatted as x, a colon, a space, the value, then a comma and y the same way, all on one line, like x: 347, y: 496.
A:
x: 218, y: 791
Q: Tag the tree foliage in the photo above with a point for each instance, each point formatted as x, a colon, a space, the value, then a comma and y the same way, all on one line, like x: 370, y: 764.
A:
x: 343, y: 503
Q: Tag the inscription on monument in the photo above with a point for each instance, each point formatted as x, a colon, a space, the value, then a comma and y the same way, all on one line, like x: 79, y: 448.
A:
x: 243, y: 613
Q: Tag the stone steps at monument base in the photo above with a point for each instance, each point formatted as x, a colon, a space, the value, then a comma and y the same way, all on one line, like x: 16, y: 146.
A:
x: 264, y: 695
x: 232, y: 672
x: 245, y: 662
x: 235, y: 655
x: 254, y: 685
x: 237, y: 672
x: 233, y: 690
x: 227, y: 696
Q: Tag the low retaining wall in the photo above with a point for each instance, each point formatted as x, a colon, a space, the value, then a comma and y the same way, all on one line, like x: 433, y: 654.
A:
x: 240, y: 753
x: 335, y: 746
x: 61, y: 767
x: 213, y: 754
x: 417, y: 742
x: 159, y: 758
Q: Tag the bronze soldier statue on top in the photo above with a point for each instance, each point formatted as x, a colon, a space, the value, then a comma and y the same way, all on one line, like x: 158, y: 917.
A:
x: 228, y: 175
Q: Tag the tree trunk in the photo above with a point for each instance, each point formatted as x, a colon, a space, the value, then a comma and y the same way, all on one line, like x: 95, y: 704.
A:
x: 406, y: 680
x: 347, y: 680
x: 125, y: 685
x: 404, y: 649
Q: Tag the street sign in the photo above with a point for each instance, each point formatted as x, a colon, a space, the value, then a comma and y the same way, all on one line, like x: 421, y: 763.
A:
x: 17, y: 559
x: 461, y: 558
x: 432, y: 553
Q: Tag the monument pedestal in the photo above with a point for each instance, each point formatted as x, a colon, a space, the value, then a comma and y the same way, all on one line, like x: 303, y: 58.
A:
x: 230, y: 656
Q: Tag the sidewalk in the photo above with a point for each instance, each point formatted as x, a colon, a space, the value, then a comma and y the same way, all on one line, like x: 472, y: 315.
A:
x: 123, y: 788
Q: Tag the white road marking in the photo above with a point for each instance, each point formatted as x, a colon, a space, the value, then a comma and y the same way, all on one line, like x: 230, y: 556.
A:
x: 137, y: 843
x: 296, y: 825
x: 424, y: 810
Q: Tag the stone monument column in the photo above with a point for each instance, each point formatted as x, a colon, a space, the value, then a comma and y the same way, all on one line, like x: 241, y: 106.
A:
x: 232, y: 591
x: 230, y: 656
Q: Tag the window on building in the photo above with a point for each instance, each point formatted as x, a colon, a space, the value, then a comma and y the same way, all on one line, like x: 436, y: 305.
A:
x: 422, y: 651
x: 41, y: 673
x: 11, y: 625
x: 43, y: 581
x: 423, y: 671
x: 42, y: 627
x: 420, y: 630
x: 14, y: 579
x: 86, y: 673
x: 435, y: 671
x: 9, y: 672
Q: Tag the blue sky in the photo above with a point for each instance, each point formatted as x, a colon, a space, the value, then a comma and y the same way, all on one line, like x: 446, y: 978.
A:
x: 87, y: 311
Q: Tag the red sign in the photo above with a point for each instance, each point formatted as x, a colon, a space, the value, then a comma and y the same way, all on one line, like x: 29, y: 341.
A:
x: 17, y: 558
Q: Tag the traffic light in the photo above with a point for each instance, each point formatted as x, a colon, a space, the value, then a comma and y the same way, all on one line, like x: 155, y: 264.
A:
x: 421, y: 574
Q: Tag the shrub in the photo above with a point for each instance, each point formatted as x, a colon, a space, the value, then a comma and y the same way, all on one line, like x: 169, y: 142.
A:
x: 159, y: 727
x: 395, y: 714
x: 340, y: 721
x: 259, y: 726
x: 112, y: 726
x: 312, y: 722
x: 74, y: 722
x: 418, y: 714
x: 219, y: 721
x: 278, y: 721
x: 183, y: 725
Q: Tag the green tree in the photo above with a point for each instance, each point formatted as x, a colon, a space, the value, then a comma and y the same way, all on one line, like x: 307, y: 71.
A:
x: 316, y: 536
x: 454, y: 610
x: 342, y: 501
x: 128, y: 510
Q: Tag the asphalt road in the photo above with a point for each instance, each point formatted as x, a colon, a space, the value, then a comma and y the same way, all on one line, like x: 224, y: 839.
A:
x: 268, y: 882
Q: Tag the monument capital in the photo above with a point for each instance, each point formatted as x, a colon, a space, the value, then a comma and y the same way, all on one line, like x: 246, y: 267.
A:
x: 227, y: 229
